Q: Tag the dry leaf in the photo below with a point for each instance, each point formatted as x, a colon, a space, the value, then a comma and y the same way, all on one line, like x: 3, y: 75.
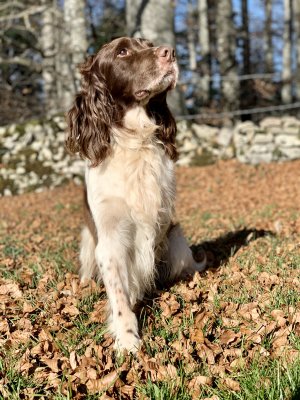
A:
x: 52, y: 363
x: 11, y: 289
x: 73, y: 359
x: 228, y: 337
x: 231, y: 384
x: 70, y: 310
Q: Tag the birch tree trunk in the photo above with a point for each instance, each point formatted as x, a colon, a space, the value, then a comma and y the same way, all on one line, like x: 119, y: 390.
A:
x: 134, y: 9
x: 191, y: 38
x: 226, y: 45
x: 49, y: 68
x: 204, y: 41
x: 268, y: 45
x: 296, y: 5
x: 75, y: 45
x: 286, y: 91
x: 154, y: 20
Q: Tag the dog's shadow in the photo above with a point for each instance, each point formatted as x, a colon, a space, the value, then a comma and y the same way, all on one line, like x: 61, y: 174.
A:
x: 219, y: 250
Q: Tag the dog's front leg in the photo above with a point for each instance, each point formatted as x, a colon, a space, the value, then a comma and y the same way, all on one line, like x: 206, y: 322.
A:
x: 113, y: 256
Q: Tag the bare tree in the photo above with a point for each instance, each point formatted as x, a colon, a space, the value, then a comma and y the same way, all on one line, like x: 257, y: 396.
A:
x: 49, y: 58
x: 296, y: 6
x: 268, y: 34
x: 286, y: 91
x: 226, y: 44
x: 245, y: 85
x: 134, y: 10
x: 74, y: 48
x: 191, y: 42
x: 20, y: 59
x: 204, y: 42
x: 154, y: 20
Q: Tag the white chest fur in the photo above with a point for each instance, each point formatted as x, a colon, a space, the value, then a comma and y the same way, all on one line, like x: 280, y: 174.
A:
x: 138, y: 172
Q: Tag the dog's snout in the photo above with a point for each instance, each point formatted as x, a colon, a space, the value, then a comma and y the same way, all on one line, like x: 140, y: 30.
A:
x: 166, y: 53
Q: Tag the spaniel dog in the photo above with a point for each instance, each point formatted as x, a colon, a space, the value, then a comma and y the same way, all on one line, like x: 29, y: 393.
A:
x: 121, y: 124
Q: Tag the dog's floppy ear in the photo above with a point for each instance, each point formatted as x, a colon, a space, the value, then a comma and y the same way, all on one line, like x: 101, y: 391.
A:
x: 90, y: 118
x: 158, y: 108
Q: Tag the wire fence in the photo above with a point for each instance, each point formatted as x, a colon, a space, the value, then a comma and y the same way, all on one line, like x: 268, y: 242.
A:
x: 217, y: 78
x: 235, y: 113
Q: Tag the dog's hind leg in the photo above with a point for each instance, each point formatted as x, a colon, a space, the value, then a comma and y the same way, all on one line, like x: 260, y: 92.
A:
x: 180, y: 258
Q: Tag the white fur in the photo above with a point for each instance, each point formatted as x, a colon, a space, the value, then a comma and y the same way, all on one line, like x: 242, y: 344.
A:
x: 131, y: 196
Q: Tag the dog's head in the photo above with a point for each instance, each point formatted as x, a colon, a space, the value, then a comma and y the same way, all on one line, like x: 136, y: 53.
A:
x: 124, y: 73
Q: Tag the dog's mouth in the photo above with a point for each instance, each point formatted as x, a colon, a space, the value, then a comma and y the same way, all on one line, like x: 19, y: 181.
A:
x: 142, y: 94
x: 166, y: 82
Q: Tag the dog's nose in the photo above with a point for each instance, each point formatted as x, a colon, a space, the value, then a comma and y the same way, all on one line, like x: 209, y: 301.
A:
x: 166, y: 53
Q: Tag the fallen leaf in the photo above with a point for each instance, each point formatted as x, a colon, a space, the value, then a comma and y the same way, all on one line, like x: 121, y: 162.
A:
x: 11, y: 289
x: 228, y: 337
x: 231, y: 384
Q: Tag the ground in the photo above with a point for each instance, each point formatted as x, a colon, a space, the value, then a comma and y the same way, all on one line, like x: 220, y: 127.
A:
x: 230, y: 333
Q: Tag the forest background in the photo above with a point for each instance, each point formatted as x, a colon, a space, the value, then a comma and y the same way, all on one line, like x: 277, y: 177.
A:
x: 239, y: 59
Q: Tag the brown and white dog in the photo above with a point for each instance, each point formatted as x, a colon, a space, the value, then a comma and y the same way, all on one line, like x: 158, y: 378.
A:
x: 121, y: 124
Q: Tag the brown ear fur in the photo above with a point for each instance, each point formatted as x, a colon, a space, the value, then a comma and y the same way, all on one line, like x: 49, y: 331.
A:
x: 90, y: 118
x: 158, y: 108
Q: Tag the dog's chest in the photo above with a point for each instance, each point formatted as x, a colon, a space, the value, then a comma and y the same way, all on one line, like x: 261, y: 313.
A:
x: 150, y: 185
x: 144, y: 179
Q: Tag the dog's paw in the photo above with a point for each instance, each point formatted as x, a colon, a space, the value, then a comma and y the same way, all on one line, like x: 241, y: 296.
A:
x: 130, y: 341
x: 200, y: 261
x: 125, y: 331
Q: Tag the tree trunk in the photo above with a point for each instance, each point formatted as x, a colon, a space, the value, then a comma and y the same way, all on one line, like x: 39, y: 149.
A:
x: 191, y: 38
x: 297, y: 39
x: 134, y: 9
x: 48, y: 48
x: 268, y: 45
x: 246, y: 39
x: 226, y: 45
x: 154, y: 20
x: 245, y: 85
x: 286, y: 91
x: 204, y: 42
x: 75, y: 45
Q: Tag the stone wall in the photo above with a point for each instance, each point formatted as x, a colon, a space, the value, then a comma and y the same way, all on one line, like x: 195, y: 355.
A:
x: 274, y: 139
x: 32, y: 156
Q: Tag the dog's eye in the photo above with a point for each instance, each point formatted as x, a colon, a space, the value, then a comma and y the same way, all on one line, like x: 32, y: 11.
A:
x: 123, y: 52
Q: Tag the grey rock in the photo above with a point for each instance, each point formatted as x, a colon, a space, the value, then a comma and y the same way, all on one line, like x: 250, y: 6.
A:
x: 292, y: 153
x: 225, y: 136
x: 20, y: 170
x: 292, y: 130
x: 227, y: 153
x: 287, y: 140
x: 36, y: 146
x: 2, y: 130
x: 204, y: 132
x: 262, y: 138
x: 188, y: 145
x: 271, y: 122
x: 60, y: 122
x: 11, y: 129
x: 260, y: 158
x: 288, y: 121
x: 184, y: 161
x: 261, y: 148
x: 7, y: 192
x: 46, y: 153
